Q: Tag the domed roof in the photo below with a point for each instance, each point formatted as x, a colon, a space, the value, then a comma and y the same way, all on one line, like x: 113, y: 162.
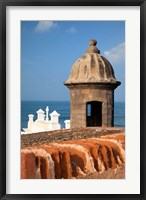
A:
x: 92, y: 68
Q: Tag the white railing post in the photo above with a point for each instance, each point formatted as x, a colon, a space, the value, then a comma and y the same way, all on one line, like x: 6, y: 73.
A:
x: 47, y: 112
x: 41, y: 115
x: 30, y: 120
x: 54, y: 120
x: 67, y: 124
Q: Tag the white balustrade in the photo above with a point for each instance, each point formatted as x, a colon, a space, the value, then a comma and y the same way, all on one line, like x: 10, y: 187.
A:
x: 44, y: 124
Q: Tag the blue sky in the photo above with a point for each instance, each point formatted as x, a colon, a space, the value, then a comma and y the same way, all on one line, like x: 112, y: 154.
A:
x: 49, y: 49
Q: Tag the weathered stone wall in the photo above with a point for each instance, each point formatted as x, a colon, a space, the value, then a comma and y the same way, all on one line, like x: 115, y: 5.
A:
x: 80, y: 95
x: 92, y: 157
x: 92, y: 78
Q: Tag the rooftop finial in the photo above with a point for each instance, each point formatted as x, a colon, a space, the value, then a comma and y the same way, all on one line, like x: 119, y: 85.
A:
x: 92, y: 48
x: 93, y: 42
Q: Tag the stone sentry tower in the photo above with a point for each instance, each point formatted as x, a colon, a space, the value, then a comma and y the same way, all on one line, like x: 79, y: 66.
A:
x: 92, y: 83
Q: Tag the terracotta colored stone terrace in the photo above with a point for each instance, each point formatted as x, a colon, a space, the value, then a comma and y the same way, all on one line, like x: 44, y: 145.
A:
x: 78, y: 153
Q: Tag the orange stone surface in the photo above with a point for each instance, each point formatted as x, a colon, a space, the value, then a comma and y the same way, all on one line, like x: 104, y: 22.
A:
x: 75, y: 158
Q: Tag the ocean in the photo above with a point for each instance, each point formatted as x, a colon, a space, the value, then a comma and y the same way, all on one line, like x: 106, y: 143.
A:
x: 63, y: 108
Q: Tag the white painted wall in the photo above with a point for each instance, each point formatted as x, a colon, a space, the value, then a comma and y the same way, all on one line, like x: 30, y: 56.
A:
x: 42, y: 123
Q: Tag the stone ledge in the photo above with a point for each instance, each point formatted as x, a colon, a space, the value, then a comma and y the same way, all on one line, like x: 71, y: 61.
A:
x: 67, y: 134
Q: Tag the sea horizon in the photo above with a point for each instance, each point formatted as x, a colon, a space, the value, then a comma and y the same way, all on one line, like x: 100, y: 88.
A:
x: 64, y: 100
x: 63, y: 108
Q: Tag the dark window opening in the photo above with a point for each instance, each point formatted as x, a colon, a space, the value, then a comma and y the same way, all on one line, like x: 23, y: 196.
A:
x: 94, y: 113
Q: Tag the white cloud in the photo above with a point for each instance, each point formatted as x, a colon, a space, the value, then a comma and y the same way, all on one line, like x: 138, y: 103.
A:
x: 43, y: 26
x: 72, y: 30
x: 116, y: 55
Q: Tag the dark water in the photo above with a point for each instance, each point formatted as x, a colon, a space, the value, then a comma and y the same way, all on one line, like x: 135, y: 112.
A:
x: 63, y: 108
